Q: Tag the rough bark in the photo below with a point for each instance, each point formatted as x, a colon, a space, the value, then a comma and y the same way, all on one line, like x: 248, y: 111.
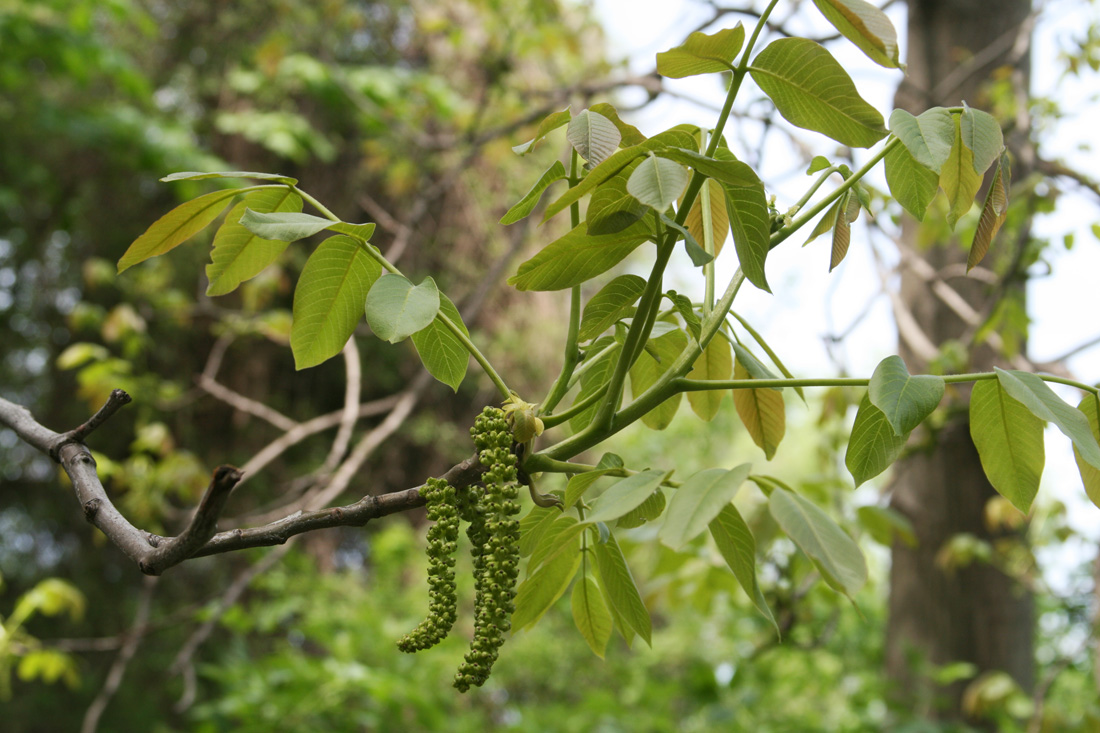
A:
x: 976, y: 614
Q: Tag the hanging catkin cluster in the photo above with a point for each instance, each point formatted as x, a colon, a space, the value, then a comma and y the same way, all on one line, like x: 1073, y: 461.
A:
x: 494, y: 539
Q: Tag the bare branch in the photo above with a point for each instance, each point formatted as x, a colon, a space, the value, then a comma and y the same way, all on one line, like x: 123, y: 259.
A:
x: 245, y: 404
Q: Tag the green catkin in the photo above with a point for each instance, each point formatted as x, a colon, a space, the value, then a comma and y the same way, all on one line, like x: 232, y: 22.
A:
x: 442, y: 542
x: 494, y: 534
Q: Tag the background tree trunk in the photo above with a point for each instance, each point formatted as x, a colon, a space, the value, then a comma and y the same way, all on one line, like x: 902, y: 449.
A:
x: 975, y: 614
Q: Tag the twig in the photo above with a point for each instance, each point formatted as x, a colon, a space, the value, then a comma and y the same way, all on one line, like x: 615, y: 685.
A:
x: 202, y: 527
x: 245, y: 404
x: 122, y: 661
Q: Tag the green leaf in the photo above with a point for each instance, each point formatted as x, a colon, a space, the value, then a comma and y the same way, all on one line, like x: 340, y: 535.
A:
x: 750, y: 223
x: 197, y: 176
x: 959, y: 180
x: 581, y: 483
x: 648, y: 369
x: 752, y: 365
x: 576, y: 257
x: 647, y: 511
x: 994, y: 213
x: 590, y: 615
x: 362, y: 232
x: 612, y: 302
x: 622, y: 593
x: 286, y: 227
x: 658, y: 182
x: 240, y: 255
x: 866, y: 26
x: 698, y: 501
x: 812, y: 91
x: 702, y: 53
x: 762, y: 411
x: 1090, y: 476
x: 724, y: 167
x: 442, y: 353
x: 715, y: 362
x: 842, y: 231
x: 827, y: 221
x: 885, y: 525
x: 178, y: 225
x: 684, y: 307
x: 1009, y: 439
x: 738, y: 548
x: 708, y: 219
x: 528, y: 203
x: 768, y: 350
x: 592, y: 380
x: 631, y: 135
x: 698, y: 255
x: 558, y: 538
x: 905, y: 400
x: 928, y: 138
x: 549, y: 124
x: 673, y: 138
x: 396, y: 309
x: 819, y: 163
x: 611, y: 208
x: 593, y: 136
x: 912, y: 184
x: 981, y: 133
x: 329, y: 297
x: 1034, y: 394
x: 624, y: 495
x: 874, y: 445
x: 537, y: 593
x: 836, y: 556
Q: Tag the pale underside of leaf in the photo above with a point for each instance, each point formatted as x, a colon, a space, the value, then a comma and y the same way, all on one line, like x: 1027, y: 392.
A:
x: 762, y: 412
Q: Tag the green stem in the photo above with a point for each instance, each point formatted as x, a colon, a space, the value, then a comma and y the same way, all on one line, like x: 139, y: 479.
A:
x: 459, y: 334
x: 589, y: 363
x: 813, y: 189
x: 542, y: 464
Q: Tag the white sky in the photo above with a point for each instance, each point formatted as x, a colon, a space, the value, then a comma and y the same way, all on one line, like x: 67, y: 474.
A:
x: 809, y: 303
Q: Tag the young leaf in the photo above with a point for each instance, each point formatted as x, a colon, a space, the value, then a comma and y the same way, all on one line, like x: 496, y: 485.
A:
x: 833, y: 552
x: 647, y: 511
x: 702, y: 53
x: 750, y: 223
x: 624, y: 495
x: 911, y: 183
x: 611, y: 303
x: 286, y: 227
x: 625, y: 601
x: 716, y: 362
x: 981, y: 133
x: 396, y: 309
x: 698, y: 501
x: 866, y: 26
x: 698, y: 255
x: 178, y: 225
x: 811, y: 90
x: 708, y: 218
x: 329, y: 297
x: 592, y: 380
x: 874, y: 445
x: 442, y: 353
x: 593, y: 136
x: 648, y: 368
x: 827, y: 221
x: 362, y: 232
x: 723, y: 167
x: 819, y: 163
x: 581, y: 483
x: 534, y: 526
x: 958, y: 179
x: 752, y: 365
x: 536, y: 594
x: 197, y: 176
x: 687, y: 312
x: 549, y: 124
x: 558, y: 538
x: 768, y: 350
x: 590, y: 615
x: 1009, y: 439
x: 994, y: 213
x: 762, y: 412
x: 631, y: 135
x: 240, y: 255
x: 527, y: 204
x: 738, y: 547
x: 928, y: 138
x: 658, y: 182
x: 673, y: 138
x: 1090, y: 475
x: 611, y: 208
x: 1034, y: 394
x: 576, y: 257
x: 905, y: 400
x: 842, y: 230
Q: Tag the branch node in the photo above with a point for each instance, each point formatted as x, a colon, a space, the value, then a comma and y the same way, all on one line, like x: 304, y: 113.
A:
x: 91, y: 508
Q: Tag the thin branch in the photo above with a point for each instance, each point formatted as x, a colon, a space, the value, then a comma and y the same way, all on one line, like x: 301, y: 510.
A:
x: 245, y: 404
x: 122, y: 661
x: 202, y: 527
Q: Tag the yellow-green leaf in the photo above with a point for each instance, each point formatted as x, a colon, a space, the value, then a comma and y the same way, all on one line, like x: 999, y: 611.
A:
x: 958, y: 179
x: 647, y: 369
x: 1009, y: 439
x: 716, y: 362
x: 1090, y: 475
x: 994, y: 213
x: 240, y: 255
x: 762, y: 411
x: 702, y: 53
x: 590, y: 615
x: 866, y: 26
x: 178, y: 225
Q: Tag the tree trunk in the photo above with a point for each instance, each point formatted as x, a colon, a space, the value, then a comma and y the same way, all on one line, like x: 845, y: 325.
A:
x: 975, y: 614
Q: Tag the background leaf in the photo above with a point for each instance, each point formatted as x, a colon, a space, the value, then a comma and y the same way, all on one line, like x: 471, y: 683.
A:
x: 833, y: 552
x: 1009, y: 440
x: 396, y: 309
x: 240, y: 255
x: 329, y: 297
x: 812, y: 91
